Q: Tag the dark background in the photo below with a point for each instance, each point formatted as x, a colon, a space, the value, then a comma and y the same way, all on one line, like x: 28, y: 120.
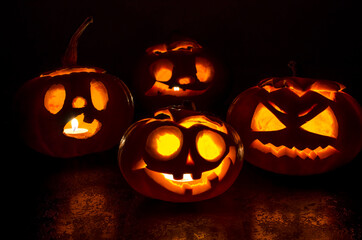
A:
x: 87, y: 198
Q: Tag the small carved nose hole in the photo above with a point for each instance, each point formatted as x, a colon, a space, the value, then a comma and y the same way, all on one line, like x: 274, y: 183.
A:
x: 184, y: 80
x: 189, y: 160
x: 79, y: 102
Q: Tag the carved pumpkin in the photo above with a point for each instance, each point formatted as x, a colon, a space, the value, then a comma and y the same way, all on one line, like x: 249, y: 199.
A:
x: 180, y: 156
x: 172, y: 73
x: 297, y: 126
x: 74, y: 110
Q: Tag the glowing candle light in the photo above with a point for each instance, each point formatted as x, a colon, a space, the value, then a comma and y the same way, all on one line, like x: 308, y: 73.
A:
x: 74, y: 124
x: 75, y: 129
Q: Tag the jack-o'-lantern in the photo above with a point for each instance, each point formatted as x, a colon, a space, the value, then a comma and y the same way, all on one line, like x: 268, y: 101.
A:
x: 171, y: 73
x: 74, y: 110
x: 180, y: 155
x: 297, y: 126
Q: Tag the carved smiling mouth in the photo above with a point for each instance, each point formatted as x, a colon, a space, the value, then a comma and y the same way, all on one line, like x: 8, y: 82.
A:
x: 195, y: 186
x: 160, y: 88
x: 82, y: 129
x: 294, y: 152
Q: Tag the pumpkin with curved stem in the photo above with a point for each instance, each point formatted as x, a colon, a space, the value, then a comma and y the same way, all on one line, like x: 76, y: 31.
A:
x: 180, y: 155
x: 74, y: 110
x: 172, y: 73
x: 297, y: 126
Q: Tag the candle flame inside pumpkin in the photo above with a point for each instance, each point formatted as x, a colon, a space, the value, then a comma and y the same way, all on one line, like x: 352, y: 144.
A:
x: 74, y: 124
x: 77, y: 128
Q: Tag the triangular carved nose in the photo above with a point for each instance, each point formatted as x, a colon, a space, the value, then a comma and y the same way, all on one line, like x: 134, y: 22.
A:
x: 189, y: 160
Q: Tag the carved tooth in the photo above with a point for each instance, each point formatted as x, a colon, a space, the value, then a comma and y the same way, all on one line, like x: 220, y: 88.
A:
x: 178, y: 176
x: 301, y: 153
x: 196, y: 175
x: 293, y: 152
x: 313, y: 155
x: 326, y: 152
x: 282, y: 150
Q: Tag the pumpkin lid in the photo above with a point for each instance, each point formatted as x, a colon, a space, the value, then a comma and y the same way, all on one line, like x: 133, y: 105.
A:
x: 301, y: 84
x: 185, y: 45
x: 70, y: 70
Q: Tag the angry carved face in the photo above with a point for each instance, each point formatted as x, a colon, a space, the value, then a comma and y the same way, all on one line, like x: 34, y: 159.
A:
x: 296, y: 126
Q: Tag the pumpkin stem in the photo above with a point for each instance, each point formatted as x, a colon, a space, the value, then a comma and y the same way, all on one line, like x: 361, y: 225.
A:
x: 70, y: 56
x: 293, y: 66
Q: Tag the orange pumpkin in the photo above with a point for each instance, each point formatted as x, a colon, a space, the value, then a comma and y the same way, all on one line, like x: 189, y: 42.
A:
x: 73, y: 110
x: 180, y: 156
x: 171, y: 73
x: 297, y: 126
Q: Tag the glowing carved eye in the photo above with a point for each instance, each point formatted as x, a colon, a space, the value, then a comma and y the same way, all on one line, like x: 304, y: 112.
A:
x: 264, y: 120
x: 162, y: 70
x: 54, y: 98
x: 325, y: 123
x: 210, y: 145
x: 204, y: 69
x: 99, y: 95
x: 164, y: 143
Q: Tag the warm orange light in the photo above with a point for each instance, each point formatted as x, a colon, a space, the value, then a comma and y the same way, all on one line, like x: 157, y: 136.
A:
x: 200, y: 119
x: 54, y: 98
x: 280, y: 151
x: 276, y: 107
x: 325, y: 123
x: 77, y: 128
x: 184, y: 80
x: 163, y: 74
x: 188, y: 46
x: 167, y: 144
x: 79, y: 102
x: 99, y: 95
x: 303, y: 113
x: 197, y: 186
x: 158, y: 49
x: 317, y: 87
x: 204, y: 69
x: 264, y: 120
x: 210, y: 145
x: 162, y: 70
x: 184, y: 47
x: 164, y: 142
x: 189, y: 160
x: 160, y: 88
x: 66, y: 71
x: 327, y: 90
x: 165, y: 112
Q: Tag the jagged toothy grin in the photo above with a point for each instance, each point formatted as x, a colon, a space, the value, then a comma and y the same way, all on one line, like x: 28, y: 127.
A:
x: 189, y: 181
x: 294, y: 152
x: 197, y: 186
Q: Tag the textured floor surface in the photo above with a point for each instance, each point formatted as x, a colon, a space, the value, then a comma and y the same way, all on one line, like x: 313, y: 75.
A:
x: 87, y: 198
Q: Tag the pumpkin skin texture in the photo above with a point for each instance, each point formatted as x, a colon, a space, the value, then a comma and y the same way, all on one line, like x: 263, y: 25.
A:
x: 170, y: 74
x: 73, y: 110
x: 297, y: 126
x: 180, y: 156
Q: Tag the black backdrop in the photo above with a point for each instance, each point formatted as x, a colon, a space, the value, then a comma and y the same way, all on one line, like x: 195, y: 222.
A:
x: 254, y: 39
